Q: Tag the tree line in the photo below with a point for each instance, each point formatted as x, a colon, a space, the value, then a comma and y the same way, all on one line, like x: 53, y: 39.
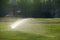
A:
x: 40, y: 8
x: 34, y: 8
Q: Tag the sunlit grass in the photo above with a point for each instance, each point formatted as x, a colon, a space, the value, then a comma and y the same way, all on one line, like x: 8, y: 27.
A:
x: 51, y: 30
x: 30, y: 31
x: 48, y: 19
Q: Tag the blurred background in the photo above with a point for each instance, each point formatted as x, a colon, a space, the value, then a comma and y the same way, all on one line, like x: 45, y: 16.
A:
x: 30, y: 8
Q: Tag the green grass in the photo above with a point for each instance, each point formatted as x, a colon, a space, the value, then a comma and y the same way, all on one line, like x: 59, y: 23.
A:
x: 30, y: 31
x: 13, y: 35
x: 47, y: 19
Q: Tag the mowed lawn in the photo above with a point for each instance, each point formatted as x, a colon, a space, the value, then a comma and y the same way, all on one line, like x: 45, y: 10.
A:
x: 30, y: 31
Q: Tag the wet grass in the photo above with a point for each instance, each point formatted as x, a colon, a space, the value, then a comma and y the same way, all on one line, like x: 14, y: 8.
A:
x: 15, y: 35
x: 30, y: 32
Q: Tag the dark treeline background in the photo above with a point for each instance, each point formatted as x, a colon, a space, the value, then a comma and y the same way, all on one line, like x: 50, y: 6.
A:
x: 32, y: 8
x: 3, y: 6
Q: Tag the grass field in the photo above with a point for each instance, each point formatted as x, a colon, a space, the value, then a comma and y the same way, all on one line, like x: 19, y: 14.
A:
x: 30, y: 31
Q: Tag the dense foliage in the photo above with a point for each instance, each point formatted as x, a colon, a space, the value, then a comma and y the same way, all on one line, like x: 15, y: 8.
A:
x: 34, y: 8
x: 3, y: 6
x: 39, y: 8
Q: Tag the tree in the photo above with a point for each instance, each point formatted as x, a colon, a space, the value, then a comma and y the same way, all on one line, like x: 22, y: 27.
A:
x: 3, y: 5
x: 38, y: 8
